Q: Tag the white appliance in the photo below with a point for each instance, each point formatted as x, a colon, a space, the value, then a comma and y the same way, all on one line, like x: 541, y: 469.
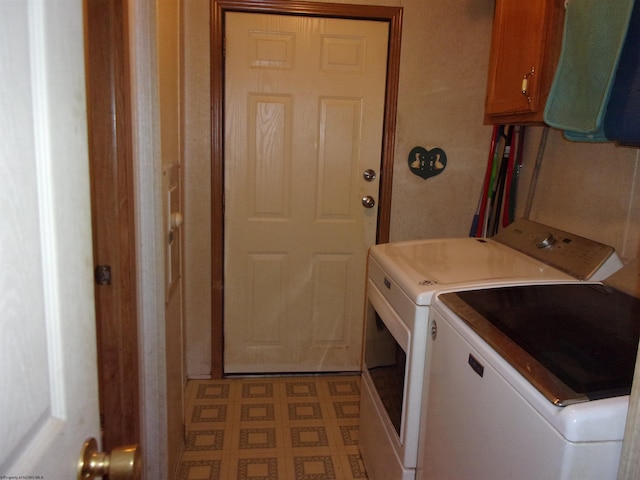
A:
x: 402, y: 278
x: 528, y: 382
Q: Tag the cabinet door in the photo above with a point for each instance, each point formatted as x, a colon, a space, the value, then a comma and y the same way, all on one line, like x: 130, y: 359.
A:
x: 516, y: 54
x: 525, y: 46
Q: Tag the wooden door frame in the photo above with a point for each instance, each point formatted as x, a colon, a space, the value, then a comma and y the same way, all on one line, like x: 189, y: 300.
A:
x: 112, y: 206
x: 392, y: 15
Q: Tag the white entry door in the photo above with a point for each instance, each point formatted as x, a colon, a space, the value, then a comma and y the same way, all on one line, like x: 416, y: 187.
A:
x: 304, y: 106
x: 49, y: 392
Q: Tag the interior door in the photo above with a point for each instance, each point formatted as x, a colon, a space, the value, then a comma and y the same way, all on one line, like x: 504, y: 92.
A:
x: 49, y: 394
x: 304, y: 103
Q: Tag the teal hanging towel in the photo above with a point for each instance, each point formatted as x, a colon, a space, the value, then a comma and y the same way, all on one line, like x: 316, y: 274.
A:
x: 594, y: 33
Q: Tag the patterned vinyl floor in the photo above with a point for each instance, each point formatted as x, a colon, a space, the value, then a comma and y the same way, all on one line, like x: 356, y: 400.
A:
x: 284, y: 428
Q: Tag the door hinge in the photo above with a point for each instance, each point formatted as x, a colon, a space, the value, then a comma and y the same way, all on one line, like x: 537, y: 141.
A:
x: 102, y: 274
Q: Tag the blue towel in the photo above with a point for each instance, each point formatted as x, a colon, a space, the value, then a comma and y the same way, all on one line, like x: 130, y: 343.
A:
x: 594, y: 33
x: 622, y: 120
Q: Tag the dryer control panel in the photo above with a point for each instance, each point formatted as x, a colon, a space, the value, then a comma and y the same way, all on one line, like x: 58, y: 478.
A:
x: 578, y: 256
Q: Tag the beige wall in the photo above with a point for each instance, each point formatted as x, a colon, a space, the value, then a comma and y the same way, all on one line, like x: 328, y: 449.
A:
x: 445, y: 55
x: 197, y: 191
x: 587, y: 189
x: 169, y: 83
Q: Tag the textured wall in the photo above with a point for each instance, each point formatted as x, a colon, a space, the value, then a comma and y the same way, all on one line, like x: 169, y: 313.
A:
x: 587, y: 189
x: 197, y: 187
x: 169, y: 43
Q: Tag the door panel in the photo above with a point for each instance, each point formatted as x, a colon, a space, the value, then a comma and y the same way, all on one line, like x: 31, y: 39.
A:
x: 269, y: 132
x: 49, y: 395
x: 304, y: 109
x: 340, y: 138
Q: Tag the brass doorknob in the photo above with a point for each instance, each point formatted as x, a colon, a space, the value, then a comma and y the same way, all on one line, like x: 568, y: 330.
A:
x: 124, y: 463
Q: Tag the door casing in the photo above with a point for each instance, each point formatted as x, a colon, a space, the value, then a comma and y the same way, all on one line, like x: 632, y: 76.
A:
x: 111, y: 166
x: 392, y: 15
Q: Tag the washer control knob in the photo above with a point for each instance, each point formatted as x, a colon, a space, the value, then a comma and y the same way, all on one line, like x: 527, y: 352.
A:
x: 544, y: 240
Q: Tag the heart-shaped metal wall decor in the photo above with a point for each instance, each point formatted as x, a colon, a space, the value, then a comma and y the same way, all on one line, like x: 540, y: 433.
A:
x: 427, y: 163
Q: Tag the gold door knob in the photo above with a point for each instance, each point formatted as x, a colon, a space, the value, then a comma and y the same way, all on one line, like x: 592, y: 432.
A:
x: 124, y: 463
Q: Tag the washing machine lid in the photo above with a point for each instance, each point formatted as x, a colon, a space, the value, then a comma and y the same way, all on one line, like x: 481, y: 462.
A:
x: 421, y: 267
x: 573, y: 342
x: 525, y: 251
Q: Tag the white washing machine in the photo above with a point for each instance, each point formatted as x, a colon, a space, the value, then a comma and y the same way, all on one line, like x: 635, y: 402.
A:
x: 528, y: 382
x: 402, y: 279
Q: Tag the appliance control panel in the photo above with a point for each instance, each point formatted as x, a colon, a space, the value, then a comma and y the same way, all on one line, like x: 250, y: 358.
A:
x: 580, y: 257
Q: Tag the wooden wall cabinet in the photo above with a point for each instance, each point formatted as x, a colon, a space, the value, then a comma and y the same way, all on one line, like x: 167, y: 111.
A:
x: 525, y: 46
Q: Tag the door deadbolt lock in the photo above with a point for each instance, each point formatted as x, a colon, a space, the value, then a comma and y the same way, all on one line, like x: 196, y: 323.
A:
x: 124, y: 463
x: 369, y: 175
